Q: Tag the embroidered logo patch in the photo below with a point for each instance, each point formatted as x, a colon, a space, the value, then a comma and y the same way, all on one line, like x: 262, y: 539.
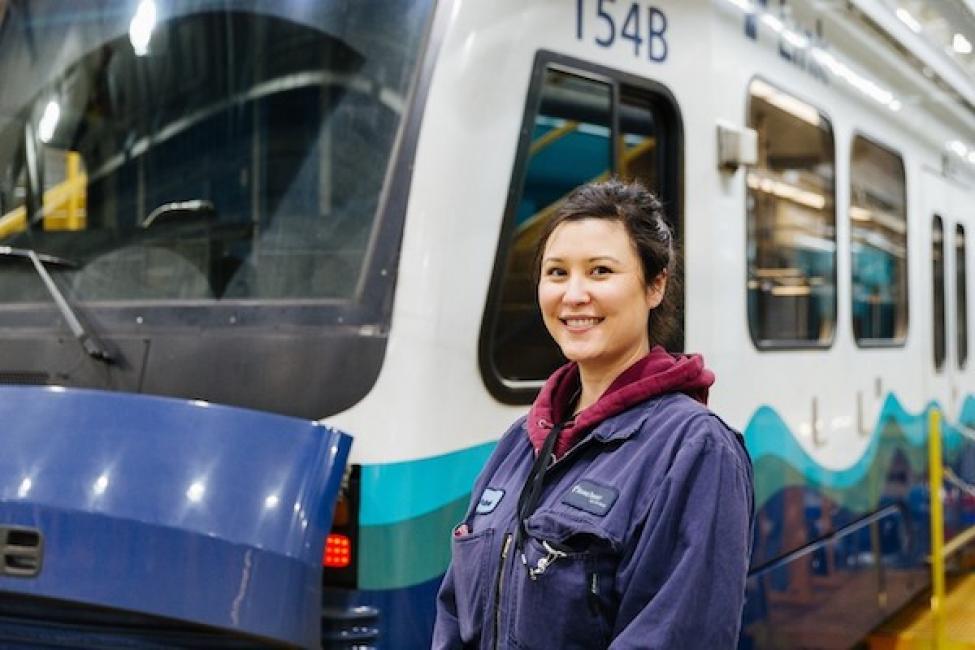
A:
x: 591, y: 497
x: 490, y: 499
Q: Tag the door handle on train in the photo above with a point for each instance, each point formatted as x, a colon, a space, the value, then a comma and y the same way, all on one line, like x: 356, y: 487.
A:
x: 862, y: 430
x: 818, y: 441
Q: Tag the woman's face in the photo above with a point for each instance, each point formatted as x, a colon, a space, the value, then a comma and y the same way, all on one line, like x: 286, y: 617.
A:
x: 593, y: 297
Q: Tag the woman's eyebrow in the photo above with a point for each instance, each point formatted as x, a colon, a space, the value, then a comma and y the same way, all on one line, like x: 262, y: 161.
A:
x: 591, y: 259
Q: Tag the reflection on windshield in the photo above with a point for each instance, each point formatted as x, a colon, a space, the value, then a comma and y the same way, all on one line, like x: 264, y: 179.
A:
x: 180, y: 151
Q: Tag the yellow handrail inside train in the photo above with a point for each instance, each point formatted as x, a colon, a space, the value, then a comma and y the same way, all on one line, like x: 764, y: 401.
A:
x: 64, y: 206
x: 528, y: 230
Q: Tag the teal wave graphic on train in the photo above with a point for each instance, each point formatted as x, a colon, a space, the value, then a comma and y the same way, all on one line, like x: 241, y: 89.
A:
x: 412, y: 503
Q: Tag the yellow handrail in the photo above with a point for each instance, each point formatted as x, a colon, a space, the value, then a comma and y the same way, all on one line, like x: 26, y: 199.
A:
x: 551, y: 136
x: 64, y: 205
x: 937, y: 527
x: 959, y: 541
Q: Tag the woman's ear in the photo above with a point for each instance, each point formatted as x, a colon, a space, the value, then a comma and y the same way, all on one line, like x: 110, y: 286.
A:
x: 656, y: 289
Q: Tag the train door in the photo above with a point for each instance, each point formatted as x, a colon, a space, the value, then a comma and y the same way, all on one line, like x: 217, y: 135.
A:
x: 934, y: 309
x: 946, y: 203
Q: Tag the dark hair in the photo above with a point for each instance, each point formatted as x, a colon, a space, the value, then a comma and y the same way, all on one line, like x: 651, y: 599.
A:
x: 642, y: 216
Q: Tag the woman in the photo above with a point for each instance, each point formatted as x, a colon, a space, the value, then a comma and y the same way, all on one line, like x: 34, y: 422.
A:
x: 618, y: 512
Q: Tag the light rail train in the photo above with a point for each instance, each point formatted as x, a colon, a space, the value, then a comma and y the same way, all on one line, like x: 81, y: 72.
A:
x: 326, y: 211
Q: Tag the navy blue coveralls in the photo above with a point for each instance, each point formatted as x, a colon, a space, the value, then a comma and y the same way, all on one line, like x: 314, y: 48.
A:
x: 641, y: 539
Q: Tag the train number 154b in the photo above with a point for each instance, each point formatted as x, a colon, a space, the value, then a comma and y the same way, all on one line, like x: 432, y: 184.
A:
x: 609, y: 23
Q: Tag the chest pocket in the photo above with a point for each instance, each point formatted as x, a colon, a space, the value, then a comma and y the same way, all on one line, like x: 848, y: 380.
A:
x: 472, y: 581
x: 563, y: 593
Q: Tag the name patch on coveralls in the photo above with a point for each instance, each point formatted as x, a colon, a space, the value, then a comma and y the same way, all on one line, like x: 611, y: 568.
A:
x: 591, y: 497
x: 490, y: 499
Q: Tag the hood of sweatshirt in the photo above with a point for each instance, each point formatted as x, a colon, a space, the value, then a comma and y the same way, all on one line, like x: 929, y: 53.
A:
x: 657, y: 373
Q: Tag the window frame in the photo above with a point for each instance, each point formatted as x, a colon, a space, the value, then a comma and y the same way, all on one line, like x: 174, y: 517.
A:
x: 790, y: 345
x: 940, y: 365
x: 523, y: 392
x: 961, y: 292
x: 870, y: 344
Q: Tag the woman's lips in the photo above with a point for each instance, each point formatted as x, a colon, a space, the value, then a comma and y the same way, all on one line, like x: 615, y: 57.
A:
x: 580, y: 323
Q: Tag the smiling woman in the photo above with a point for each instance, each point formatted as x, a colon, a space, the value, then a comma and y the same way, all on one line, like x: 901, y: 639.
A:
x: 594, y: 298
x: 633, y: 498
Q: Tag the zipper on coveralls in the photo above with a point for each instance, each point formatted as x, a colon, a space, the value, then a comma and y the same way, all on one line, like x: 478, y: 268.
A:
x: 497, y: 595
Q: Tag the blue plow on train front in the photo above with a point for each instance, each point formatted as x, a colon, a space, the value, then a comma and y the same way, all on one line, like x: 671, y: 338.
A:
x: 136, y: 521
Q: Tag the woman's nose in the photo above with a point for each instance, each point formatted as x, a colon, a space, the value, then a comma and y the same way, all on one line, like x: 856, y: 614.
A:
x: 576, y: 291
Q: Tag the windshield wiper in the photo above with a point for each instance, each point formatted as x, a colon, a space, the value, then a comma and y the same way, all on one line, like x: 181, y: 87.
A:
x: 94, y: 349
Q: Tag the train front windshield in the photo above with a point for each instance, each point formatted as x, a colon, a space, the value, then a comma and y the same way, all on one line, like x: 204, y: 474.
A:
x: 198, y: 150
x: 216, y: 187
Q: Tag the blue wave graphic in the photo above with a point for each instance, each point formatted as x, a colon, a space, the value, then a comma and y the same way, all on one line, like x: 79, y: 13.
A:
x: 767, y: 435
x: 396, y: 492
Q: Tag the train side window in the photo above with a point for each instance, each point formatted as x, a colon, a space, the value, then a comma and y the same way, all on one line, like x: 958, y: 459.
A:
x: 961, y: 295
x: 791, y: 245
x: 938, y: 290
x: 582, y: 124
x: 878, y: 244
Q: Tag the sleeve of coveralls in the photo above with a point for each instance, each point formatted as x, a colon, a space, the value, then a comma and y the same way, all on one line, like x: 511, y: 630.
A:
x: 682, y: 583
x: 446, y: 631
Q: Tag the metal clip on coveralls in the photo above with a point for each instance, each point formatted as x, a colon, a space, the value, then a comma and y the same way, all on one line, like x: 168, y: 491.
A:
x: 528, y: 500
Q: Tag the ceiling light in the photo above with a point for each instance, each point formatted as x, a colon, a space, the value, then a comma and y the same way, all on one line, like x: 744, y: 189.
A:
x: 958, y: 147
x: 909, y: 20
x: 49, y: 121
x: 141, y: 26
x: 961, y: 44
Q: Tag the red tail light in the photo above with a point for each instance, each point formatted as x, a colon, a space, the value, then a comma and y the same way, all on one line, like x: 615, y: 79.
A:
x: 338, y: 551
x: 340, y: 555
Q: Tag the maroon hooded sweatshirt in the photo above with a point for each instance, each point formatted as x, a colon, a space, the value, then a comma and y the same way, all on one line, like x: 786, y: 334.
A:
x: 657, y: 373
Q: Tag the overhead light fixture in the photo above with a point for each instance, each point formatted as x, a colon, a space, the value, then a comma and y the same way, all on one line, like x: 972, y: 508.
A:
x: 744, y: 5
x: 773, y: 22
x: 49, y: 121
x: 961, y: 44
x: 786, y: 191
x: 140, y: 29
x: 909, y: 20
x: 787, y: 103
x: 958, y: 147
x: 865, y: 85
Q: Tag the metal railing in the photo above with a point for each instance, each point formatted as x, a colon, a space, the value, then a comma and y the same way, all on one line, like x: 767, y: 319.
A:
x: 940, y: 550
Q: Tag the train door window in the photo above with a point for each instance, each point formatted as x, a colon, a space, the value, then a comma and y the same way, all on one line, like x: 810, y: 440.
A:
x: 961, y: 295
x: 581, y: 125
x: 938, y: 290
x: 878, y: 244
x: 791, y: 223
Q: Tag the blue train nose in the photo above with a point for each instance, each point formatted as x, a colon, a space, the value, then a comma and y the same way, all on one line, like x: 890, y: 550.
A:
x: 158, y: 518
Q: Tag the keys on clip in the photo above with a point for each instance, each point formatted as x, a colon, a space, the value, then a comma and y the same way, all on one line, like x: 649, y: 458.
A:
x: 544, y: 562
